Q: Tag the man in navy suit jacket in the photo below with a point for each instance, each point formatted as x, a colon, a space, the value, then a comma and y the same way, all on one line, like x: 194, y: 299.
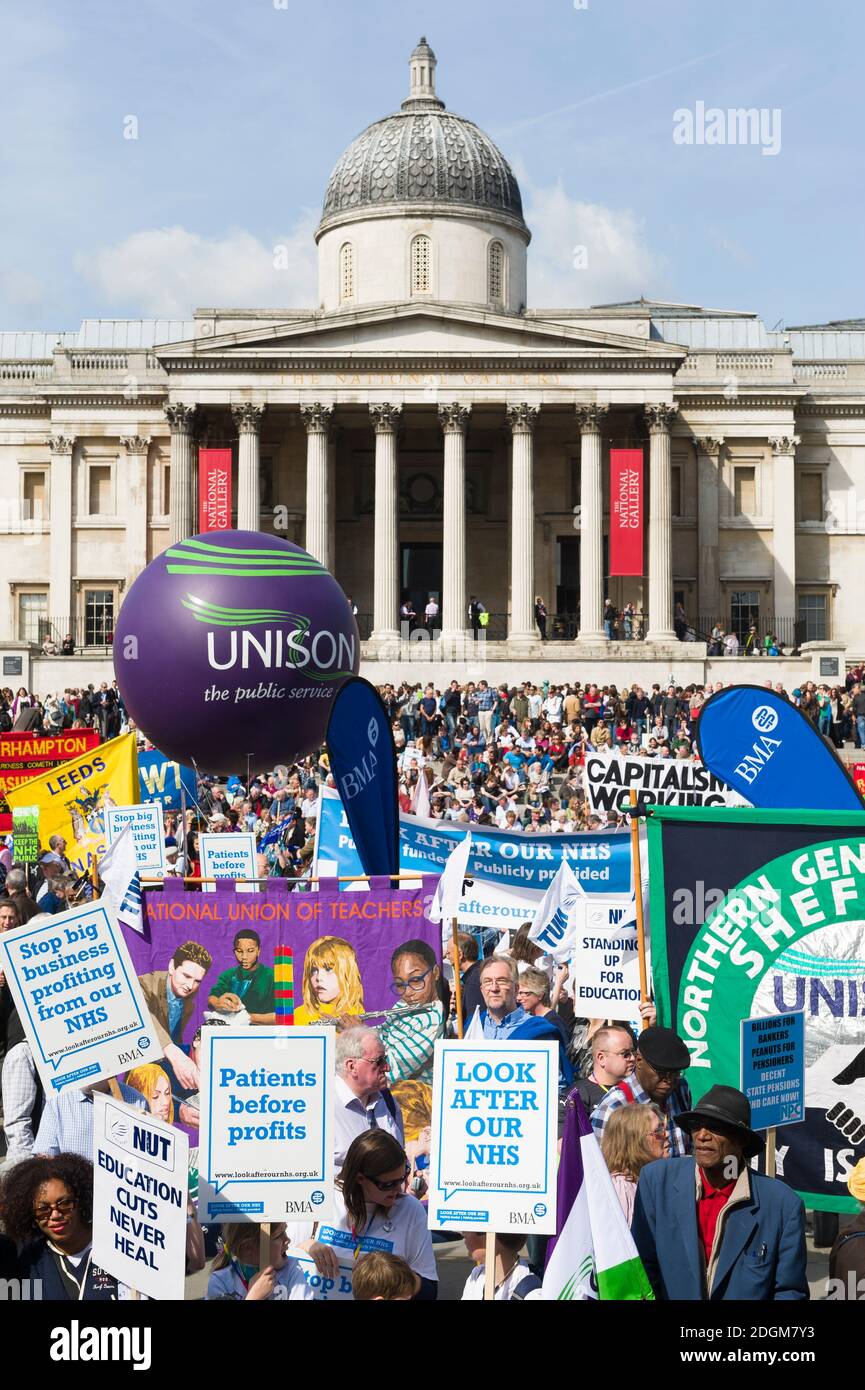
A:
x: 709, y: 1227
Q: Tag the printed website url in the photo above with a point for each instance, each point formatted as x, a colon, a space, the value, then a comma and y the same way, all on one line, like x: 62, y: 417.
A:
x: 768, y: 1358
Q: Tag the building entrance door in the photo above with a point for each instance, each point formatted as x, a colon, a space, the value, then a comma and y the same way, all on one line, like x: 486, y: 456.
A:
x: 420, y: 570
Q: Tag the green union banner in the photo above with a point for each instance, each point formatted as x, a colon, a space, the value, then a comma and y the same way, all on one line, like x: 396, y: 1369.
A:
x: 756, y: 913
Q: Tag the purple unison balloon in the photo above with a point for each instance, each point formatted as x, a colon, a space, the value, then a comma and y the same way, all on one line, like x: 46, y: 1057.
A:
x: 230, y: 647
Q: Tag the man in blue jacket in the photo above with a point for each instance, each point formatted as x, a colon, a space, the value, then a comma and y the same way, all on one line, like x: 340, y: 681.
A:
x: 708, y: 1226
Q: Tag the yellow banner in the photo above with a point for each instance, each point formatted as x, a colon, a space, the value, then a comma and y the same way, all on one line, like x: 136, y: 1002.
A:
x: 72, y: 798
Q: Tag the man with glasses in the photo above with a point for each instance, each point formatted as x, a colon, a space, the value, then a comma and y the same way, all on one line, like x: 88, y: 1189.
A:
x: 362, y: 1098
x: 503, y: 1017
x: 661, y: 1058
x: 614, y: 1055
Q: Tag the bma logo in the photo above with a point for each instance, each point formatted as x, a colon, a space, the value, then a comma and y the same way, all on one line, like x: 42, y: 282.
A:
x: 298, y: 1208
x: 355, y: 781
x: 765, y: 719
x: 372, y: 733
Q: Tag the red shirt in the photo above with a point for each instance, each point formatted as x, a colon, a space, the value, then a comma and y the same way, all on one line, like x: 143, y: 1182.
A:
x: 709, y: 1207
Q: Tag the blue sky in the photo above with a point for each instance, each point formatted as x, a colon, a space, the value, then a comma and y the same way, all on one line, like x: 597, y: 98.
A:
x: 243, y: 107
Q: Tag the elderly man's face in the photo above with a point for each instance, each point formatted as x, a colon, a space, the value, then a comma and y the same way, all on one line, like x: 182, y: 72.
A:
x: 498, y: 988
x: 715, y: 1143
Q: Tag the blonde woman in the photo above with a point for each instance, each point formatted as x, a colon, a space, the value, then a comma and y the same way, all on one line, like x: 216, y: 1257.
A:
x: 638, y: 1137
x: 332, y: 985
x: 152, y: 1081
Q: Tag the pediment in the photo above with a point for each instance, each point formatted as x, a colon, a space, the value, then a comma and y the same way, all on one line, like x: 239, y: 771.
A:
x: 408, y: 329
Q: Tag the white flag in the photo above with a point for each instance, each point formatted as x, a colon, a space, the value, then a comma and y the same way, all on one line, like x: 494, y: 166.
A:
x: 475, y: 1028
x: 420, y: 803
x: 555, y: 926
x: 445, y: 903
x: 118, y: 869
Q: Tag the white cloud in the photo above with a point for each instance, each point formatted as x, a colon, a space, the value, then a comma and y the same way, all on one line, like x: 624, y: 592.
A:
x: 585, y: 253
x: 167, y: 272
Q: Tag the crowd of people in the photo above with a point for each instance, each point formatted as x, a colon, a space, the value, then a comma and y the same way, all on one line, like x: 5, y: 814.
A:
x: 472, y: 752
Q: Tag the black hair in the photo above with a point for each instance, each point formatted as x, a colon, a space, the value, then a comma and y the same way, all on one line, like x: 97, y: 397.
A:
x: 247, y: 934
x: 22, y: 1182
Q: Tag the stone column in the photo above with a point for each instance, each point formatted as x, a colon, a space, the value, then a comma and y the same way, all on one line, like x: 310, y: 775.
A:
x: 454, y: 419
x: 591, y: 418
x: 385, y: 624
x: 60, y: 529
x: 181, y: 419
x: 135, y: 480
x: 318, y: 419
x: 784, y: 539
x: 522, y: 420
x: 247, y: 419
x: 659, y: 419
x: 709, y: 448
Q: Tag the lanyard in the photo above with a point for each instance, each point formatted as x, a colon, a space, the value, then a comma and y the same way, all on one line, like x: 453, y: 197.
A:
x: 70, y: 1273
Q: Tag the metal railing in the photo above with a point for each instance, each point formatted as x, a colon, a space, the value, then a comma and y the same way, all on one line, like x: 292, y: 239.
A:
x: 788, y: 632
x: 88, y: 634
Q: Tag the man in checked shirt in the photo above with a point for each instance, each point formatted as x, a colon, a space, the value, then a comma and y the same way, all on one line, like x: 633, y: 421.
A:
x: 662, y: 1056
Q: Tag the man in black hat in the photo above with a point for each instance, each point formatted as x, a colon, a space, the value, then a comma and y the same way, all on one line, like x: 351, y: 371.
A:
x: 709, y: 1227
x: 662, y: 1056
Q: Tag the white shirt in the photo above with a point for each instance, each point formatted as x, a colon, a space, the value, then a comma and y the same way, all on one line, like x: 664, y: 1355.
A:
x: 474, y: 1289
x: 289, y: 1285
x: 401, y: 1230
x: 351, y: 1118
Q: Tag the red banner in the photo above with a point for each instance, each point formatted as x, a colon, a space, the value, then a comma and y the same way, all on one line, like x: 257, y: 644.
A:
x: 626, y: 511
x: 24, y: 756
x: 214, y: 489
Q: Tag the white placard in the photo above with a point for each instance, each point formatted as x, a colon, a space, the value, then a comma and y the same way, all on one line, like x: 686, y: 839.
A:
x: 140, y: 1195
x: 606, y: 963
x: 609, y: 779
x: 266, y: 1137
x: 493, y: 1157
x: 75, y: 989
x: 148, y: 833
x: 325, y: 1289
x: 228, y: 856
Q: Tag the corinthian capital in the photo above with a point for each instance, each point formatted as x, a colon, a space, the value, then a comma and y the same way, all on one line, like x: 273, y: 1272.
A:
x: 523, y: 418
x: 709, y: 444
x: 180, y: 417
x: 784, y: 444
x: 385, y: 417
x: 247, y: 417
x: 591, y: 417
x: 660, y: 417
x: 135, y: 443
x: 61, y: 443
x: 317, y: 417
x: 454, y: 417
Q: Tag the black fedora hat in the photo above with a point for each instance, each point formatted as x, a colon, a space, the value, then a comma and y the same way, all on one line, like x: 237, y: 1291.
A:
x: 732, y: 1108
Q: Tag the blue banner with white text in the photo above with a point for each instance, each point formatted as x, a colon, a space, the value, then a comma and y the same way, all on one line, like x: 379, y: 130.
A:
x: 363, y: 763
x: 771, y: 753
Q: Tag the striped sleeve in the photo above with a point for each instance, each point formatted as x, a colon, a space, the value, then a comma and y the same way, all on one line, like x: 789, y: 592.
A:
x: 409, y: 1041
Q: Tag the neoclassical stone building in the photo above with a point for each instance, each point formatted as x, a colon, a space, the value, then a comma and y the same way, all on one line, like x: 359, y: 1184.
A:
x: 422, y: 430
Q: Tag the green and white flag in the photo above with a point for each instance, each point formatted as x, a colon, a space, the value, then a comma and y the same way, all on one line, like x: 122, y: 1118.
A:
x: 594, y: 1256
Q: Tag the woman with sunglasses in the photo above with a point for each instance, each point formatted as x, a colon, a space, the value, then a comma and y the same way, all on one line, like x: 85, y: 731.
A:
x: 409, y: 1037
x: 373, y: 1211
x: 633, y: 1137
x: 47, y: 1203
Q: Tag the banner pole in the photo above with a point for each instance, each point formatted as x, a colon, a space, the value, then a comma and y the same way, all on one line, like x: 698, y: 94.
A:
x: 264, y: 1245
x: 770, y: 1152
x: 490, y: 1267
x: 458, y: 984
x: 638, y: 902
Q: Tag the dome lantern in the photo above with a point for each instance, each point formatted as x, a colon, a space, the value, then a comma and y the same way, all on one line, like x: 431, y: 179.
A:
x: 422, y: 67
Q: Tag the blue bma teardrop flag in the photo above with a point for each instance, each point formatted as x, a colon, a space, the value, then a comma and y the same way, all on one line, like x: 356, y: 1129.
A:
x: 363, y: 763
x: 767, y: 749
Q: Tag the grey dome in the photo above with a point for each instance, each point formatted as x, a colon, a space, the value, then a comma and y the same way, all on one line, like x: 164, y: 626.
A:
x: 422, y: 154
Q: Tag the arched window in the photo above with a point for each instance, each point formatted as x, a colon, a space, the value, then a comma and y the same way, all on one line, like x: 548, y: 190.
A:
x: 346, y: 272
x: 421, y: 265
x: 496, y: 273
